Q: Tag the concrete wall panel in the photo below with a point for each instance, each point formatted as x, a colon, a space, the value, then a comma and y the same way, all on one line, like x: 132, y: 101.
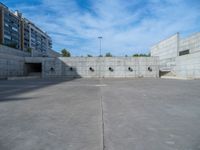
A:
x: 167, y: 48
x: 188, y: 66
x: 12, y: 63
x: 100, y: 65
x: 11, y: 66
x: 192, y: 43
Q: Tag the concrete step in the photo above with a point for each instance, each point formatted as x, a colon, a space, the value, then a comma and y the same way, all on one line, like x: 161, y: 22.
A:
x: 167, y: 73
x: 23, y: 78
x: 170, y: 74
x: 34, y: 74
x: 175, y: 77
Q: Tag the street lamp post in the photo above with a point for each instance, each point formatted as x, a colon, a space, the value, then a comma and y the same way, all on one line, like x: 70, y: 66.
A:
x: 100, y: 38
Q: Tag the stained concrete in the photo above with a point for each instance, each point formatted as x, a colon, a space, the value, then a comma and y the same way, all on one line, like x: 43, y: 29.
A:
x: 94, y: 114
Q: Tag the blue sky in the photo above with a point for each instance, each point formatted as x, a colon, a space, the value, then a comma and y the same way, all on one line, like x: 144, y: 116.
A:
x: 127, y: 26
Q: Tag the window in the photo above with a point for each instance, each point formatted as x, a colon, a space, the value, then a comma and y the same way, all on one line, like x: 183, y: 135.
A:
x: 185, y: 52
x: 15, y: 29
x: 6, y: 41
x: 6, y: 25
x: 7, y: 37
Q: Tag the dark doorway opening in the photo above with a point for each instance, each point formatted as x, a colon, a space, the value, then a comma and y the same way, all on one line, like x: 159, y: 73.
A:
x: 33, y: 69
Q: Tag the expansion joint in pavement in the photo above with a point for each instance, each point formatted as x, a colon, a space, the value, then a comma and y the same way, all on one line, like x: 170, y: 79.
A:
x: 102, y: 117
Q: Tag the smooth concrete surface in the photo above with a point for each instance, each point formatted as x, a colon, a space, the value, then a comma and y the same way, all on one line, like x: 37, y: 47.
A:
x: 100, y: 114
x: 11, y: 62
x: 188, y: 66
x: 92, y: 67
x: 12, y: 65
x: 175, y: 77
x: 75, y: 67
x: 185, y: 66
x: 12, y: 51
x: 50, y: 115
x: 192, y: 43
x: 167, y: 48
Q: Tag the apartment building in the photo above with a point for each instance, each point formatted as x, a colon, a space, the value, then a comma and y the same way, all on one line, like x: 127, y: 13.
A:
x: 22, y: 34
x: 10, y: 25
x: 35, y: 39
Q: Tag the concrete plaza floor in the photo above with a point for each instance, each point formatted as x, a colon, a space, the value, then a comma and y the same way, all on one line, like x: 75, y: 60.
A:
x: 94, y: 114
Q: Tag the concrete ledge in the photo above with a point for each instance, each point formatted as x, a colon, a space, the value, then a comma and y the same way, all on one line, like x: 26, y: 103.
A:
x: 23, y: 78
x: 175, y: 77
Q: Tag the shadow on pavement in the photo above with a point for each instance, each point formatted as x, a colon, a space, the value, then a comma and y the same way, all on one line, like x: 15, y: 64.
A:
x: 11, y: 89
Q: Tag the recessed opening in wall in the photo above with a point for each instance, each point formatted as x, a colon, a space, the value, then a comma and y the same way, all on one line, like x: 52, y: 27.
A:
x: 52, y: 69
x: 130, y: 69
x: 185, y: 52
x: 91, y: 69
x: 110, y: 69
x: 71, y: 69
x: 149, y: 69
x: 33, y: 68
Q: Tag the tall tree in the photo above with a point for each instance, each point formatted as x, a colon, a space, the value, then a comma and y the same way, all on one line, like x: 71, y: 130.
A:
x: 141, y: 55
x: 89, y: 55
x: 108, y: 54
x: 65, y: 53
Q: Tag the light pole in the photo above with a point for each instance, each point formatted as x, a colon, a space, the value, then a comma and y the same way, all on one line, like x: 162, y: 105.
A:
x: 100, y: 38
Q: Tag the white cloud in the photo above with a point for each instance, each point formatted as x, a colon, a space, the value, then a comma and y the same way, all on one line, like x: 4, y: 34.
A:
x: 127, y: 27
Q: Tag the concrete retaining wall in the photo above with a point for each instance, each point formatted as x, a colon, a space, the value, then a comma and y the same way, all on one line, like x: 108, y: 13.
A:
x: 191, y: 43
x: 99, y: 67
x: 14, y: 63
x: 167, y: 48
x: 167, y: 51
x: 11, y: 66
x: 11, y: 62
x: 188, y: 66
x: 13, y: 52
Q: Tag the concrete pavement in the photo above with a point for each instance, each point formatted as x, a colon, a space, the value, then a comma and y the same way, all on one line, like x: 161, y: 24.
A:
x: 93, y: 114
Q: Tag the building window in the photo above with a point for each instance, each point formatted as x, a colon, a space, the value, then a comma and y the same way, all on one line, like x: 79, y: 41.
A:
x: 7, y: 37
x: 15, y: 29
x: 185, y: 52
x: 6, y: 25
